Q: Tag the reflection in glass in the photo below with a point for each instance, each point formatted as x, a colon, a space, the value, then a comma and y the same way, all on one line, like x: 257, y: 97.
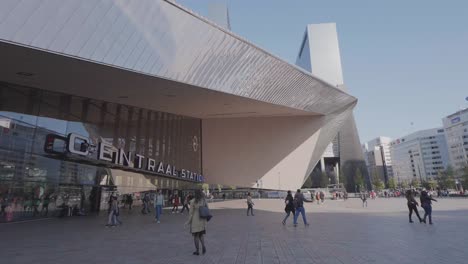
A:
x: 38, y: 178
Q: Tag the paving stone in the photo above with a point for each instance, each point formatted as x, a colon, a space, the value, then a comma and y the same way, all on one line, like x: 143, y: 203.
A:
x: 340, y: 232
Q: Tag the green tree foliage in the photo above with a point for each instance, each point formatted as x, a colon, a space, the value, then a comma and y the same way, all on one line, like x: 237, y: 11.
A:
x: 324, y: 180
x: 415, y: 183
x: 464, y: 177
x: 377, y: 183
x: 359, y: 180
x: 342, y: 179
x: 404, y: 185
x: 391, y: 183
x: 446, y: 178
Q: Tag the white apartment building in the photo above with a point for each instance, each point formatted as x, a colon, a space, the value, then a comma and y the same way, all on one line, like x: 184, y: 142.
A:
x: 456, y: 133
x: 378, y: 158
x: 420, y: 155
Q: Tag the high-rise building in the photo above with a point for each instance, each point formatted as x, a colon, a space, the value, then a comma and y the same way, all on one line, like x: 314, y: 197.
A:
x: 378, y: 158
x: 420, y: 155
x: 456, y: 133
x: 319, y: 54
x: 115, y: 98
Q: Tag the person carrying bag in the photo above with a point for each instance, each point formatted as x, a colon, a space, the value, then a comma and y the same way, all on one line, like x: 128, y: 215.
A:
x: 198, y: 217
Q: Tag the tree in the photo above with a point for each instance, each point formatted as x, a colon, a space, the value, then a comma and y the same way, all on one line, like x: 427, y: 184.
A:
x: 324, y: 180
x: 432, y: 185
x: 464, y: 177
x: 391, y: 183
x: 359, y: 180
x: 342, y: 179
x: 377, y: 183
x: 404, y: 185
x: 205, y: 187
x: 415, y: 183
x: 446, y: 178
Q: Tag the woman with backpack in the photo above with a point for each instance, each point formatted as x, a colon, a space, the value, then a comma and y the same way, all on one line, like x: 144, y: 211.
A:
x: 289, y: 201
x: 196, y: 223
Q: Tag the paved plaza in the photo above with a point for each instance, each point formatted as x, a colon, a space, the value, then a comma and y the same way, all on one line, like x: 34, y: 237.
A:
x: 340, y: 232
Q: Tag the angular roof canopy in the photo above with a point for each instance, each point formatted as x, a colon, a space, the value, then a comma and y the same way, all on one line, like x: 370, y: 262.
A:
x: 153, y: 54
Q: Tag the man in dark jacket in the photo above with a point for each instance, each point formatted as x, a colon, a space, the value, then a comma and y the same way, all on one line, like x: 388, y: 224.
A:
x: 299, y: 204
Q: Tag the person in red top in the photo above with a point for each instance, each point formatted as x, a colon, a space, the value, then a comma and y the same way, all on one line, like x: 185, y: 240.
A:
x: 175, y: 203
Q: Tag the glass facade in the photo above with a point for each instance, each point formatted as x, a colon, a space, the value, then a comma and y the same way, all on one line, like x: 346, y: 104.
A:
x: 39, y: 177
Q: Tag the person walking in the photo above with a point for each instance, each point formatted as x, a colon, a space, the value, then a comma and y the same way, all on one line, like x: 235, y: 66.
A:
x: 299, y: 207
x: 175, y: 203
x: 185, y: 203
x: 113, y: 213
x: 45, y: 205
x: 322, y: 196
x: 129, y: 201
x: 250, y: 204
x: 317, y: 197
x: 426, y: 204
x: 158, y: 205
x: 364, y: 199
x: 145, y: 201
x: 197, y: 224
x: 289, y: 201
x: 412, y: 205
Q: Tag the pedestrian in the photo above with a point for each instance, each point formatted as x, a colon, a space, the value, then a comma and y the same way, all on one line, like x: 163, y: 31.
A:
x: 158, y: 205
x: 250, y: 204
x: 45, y: 205
x: 299, y: 207
x: 289, y: 201
x: 364, y: 199
x: 322, y: 196
x: 175, y: 203
x: 113, y: 213
x: 185, y: 203
x: 197, y: 224
x: 317, y: 197
x: 412, y: 205
x: 426, y: 203
x: 129, y: 201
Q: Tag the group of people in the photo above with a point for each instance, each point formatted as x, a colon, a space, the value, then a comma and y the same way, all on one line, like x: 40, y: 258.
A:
x: 295, y: 205
x: 426, y: 204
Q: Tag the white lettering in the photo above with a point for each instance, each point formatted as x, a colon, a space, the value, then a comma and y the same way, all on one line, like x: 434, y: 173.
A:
x: 168, y: 169
x: 183, y: 173
x: 161, y: 167
x: 138, y: 161
x: 151, y: 165
x: 84, y: 143
x: 124, y: 159
x: 174, y: 171
x: 105, y: 151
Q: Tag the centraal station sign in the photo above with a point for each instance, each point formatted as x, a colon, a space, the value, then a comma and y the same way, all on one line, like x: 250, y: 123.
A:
x: 107, y: 153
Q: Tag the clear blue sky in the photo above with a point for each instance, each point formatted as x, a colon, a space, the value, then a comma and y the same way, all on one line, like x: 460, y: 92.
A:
x: 406, y: 61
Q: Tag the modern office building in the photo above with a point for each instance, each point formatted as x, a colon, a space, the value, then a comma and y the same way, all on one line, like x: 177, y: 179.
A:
x: 378, y: 158
x: 319, y: 54
x: 101, y: 97
x: 456, y: 133
x: 420, y: 155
